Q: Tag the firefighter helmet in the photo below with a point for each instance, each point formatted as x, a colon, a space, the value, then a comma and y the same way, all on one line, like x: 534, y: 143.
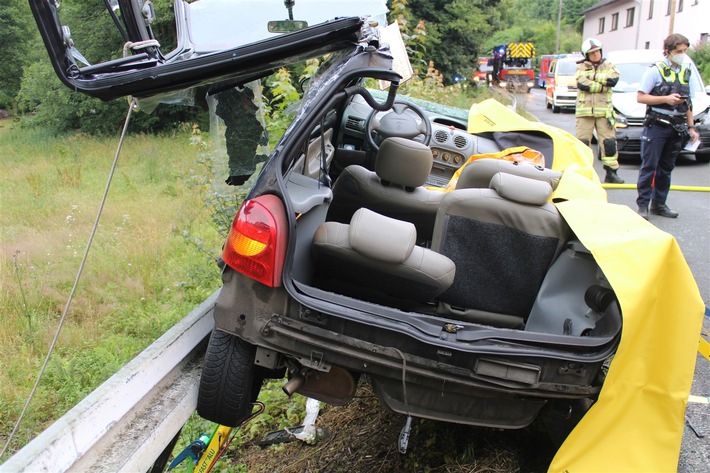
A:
x: 589, y: 45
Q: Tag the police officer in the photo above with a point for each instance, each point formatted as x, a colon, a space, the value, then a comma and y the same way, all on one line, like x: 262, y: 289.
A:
x: 595, y: 78
x: 665, y: 90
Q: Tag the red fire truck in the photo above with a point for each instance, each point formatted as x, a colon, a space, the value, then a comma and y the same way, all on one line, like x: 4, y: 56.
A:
x: 513, y: 66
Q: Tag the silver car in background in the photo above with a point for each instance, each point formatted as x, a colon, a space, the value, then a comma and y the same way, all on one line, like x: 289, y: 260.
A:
x: 630, y: 114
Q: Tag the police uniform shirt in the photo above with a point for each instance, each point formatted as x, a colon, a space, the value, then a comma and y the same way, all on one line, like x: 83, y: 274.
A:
x: 652, y: 78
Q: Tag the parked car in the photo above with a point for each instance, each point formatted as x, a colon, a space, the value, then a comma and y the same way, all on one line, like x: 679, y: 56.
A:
x: 561, y: 90
x: 630, y: 114
x: 348, y: 261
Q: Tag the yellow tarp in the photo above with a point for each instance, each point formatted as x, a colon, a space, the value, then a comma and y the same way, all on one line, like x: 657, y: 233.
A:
x: 637, y: 423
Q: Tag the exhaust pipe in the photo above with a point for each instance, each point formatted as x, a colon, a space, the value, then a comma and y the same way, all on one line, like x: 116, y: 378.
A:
x: 293, y: 384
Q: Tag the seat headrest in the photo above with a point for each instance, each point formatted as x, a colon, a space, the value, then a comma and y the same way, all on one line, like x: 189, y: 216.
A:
x: 381, y: 238
x: 478, y: 174
x: 404, y: 162
x: 521, y: 189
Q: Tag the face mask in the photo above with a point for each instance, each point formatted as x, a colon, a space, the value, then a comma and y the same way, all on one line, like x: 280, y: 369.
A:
x: 678, y: 58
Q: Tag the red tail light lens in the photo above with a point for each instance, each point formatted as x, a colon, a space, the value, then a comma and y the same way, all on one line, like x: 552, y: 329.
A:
x: 256, y: 245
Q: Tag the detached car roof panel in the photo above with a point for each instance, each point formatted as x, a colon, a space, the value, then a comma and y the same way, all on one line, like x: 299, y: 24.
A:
x: 243, y: 51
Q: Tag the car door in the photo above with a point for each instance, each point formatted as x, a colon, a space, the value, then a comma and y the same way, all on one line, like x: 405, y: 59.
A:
x: 550, y: 88
x: 147, y: 71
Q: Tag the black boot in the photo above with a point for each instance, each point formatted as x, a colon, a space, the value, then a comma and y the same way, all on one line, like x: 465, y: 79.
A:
x: 611, y: 176
x: 663, y: 210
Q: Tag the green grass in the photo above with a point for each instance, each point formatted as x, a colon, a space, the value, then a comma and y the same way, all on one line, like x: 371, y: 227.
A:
x: 147, y: 267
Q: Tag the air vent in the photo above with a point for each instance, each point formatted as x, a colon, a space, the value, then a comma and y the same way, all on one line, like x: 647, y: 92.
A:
x: 460, y: 141
x: 441, y: 136
x: 354, y: 123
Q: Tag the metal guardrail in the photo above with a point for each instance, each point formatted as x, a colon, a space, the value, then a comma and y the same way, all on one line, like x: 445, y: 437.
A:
x: 126, y: 423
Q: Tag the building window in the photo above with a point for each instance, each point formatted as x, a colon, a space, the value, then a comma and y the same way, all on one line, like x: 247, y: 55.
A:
x: 650, y: 10
x: 668, y: 10
x: 680, y: 6
x: 601, y: 25
x: 630, y: 14
x: 647, y: 45
x: 614, y: 22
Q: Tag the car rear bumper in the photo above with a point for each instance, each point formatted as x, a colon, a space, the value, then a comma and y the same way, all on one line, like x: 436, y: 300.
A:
x: 476, y: 386
x: 565, y: 100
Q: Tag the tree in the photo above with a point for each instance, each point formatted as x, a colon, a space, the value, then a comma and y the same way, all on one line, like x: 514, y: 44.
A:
x: 15, y: 40
x: 456, y: 30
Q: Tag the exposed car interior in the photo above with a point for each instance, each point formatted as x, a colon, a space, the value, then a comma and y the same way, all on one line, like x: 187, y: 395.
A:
x: 492, y: 252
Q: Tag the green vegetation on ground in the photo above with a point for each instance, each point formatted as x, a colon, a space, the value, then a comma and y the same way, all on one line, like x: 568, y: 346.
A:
x: 151, y: 262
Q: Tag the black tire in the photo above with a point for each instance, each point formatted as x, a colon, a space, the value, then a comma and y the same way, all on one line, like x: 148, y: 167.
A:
x: 229, y: 383
x: 555, y: 109
x: 702, y: 157
x: 548, y: 104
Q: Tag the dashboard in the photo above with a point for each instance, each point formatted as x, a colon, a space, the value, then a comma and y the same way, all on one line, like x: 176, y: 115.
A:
x: 451, y: 144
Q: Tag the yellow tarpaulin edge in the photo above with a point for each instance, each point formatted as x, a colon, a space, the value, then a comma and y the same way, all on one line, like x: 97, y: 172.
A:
x: 637, y: 423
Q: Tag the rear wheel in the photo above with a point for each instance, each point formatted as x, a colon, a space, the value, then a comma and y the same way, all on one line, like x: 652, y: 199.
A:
x: 702, y: 157
x: 229, y: 383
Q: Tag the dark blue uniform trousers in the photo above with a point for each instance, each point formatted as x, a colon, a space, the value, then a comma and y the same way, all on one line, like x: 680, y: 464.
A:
x: 660, y: 146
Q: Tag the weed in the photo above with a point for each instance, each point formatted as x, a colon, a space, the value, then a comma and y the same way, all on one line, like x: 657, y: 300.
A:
x: 70, y: 175
x: 36, y: 183
x: 19, y: 278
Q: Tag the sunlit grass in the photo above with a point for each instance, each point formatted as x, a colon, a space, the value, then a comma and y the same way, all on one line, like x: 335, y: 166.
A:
x: 142, y: 275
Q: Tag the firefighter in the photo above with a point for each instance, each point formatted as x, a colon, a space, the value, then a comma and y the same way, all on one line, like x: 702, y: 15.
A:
x: 595, y: 78
x: 665, y: 89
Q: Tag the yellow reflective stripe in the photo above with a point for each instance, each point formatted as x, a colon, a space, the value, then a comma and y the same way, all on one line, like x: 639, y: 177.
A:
x: 672, y: 74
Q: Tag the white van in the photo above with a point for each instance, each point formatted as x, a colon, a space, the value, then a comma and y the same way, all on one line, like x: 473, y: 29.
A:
x: 630, y: 114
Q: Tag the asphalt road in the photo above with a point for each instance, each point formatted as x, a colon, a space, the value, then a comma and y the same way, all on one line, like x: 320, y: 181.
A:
x: 692, y: 231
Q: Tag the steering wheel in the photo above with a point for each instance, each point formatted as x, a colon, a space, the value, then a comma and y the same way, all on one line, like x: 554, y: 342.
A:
x: 397, y: 122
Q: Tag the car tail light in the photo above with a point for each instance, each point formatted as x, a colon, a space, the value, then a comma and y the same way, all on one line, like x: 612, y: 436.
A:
x: 256, y: 245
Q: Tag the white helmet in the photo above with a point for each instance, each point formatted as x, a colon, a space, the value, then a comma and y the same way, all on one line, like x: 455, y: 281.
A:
x: 589, y: 45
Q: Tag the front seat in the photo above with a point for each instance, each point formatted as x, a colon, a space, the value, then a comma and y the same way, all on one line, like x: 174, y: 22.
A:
x: 395, y: 189
x: 502, y: 240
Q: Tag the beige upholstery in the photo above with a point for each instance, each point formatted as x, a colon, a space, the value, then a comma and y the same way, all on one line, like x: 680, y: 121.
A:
x: 379, y: 252
x: 394, y: 189
x: 478, y: 174
x: 502, y: 240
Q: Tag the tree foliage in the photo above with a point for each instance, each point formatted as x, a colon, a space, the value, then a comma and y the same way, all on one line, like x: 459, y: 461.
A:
x: 47, y: 103
x: 15, y: 45
x: 454, y: 33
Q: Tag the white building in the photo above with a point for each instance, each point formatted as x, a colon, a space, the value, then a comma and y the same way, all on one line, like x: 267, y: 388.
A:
x: 644, y: 24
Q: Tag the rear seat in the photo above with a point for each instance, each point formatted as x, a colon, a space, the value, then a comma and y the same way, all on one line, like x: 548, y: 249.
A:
x: 379, y: 253
x: 503, y: 240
